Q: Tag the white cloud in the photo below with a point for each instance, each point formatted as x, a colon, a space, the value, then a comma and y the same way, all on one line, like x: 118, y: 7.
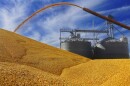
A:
x: 11, y: 16
x: 66, y: 19
x: 51, y: 39
x: 116, y: 10
x: 35, y: 35
x: 69, y: 17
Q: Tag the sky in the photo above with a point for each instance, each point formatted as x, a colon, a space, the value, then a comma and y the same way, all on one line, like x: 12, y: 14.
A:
x: 45, y: 26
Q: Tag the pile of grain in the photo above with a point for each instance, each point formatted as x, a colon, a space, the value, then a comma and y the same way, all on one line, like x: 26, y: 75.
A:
x: 21, y: 75
x: 18, y: 49
x: 25, y: 62
x: 120, y: 79
x: 97, y: 72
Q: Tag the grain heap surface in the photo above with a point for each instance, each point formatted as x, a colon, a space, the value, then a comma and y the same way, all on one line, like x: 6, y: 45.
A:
x: 97, y: 72
x: 21, y: 75
x: 22, y: 50
x: 120, y: 79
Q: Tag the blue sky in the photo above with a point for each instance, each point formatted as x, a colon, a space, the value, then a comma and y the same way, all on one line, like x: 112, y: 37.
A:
x: 45, y: 26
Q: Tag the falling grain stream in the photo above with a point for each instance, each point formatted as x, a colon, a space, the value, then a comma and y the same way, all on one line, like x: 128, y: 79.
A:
x: 42, y: 9
x: 70, y: 4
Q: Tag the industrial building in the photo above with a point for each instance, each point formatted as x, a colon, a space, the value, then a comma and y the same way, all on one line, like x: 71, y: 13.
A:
x: 108, y: 48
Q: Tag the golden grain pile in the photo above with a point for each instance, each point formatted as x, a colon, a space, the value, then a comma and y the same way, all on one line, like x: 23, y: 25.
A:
x: 15, y: 48
x: 25, y: 62
x: 21, y: 75
x: 96, y: 72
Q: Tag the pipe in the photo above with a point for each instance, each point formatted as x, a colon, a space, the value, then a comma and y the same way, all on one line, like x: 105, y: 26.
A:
x: 106, y: 18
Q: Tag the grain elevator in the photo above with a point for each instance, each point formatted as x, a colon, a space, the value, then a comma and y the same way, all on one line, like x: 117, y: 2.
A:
x: 93, y: 47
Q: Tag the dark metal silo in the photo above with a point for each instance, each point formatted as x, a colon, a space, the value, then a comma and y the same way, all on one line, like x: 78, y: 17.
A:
x: 79, y: 47
x: 111, y: 48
